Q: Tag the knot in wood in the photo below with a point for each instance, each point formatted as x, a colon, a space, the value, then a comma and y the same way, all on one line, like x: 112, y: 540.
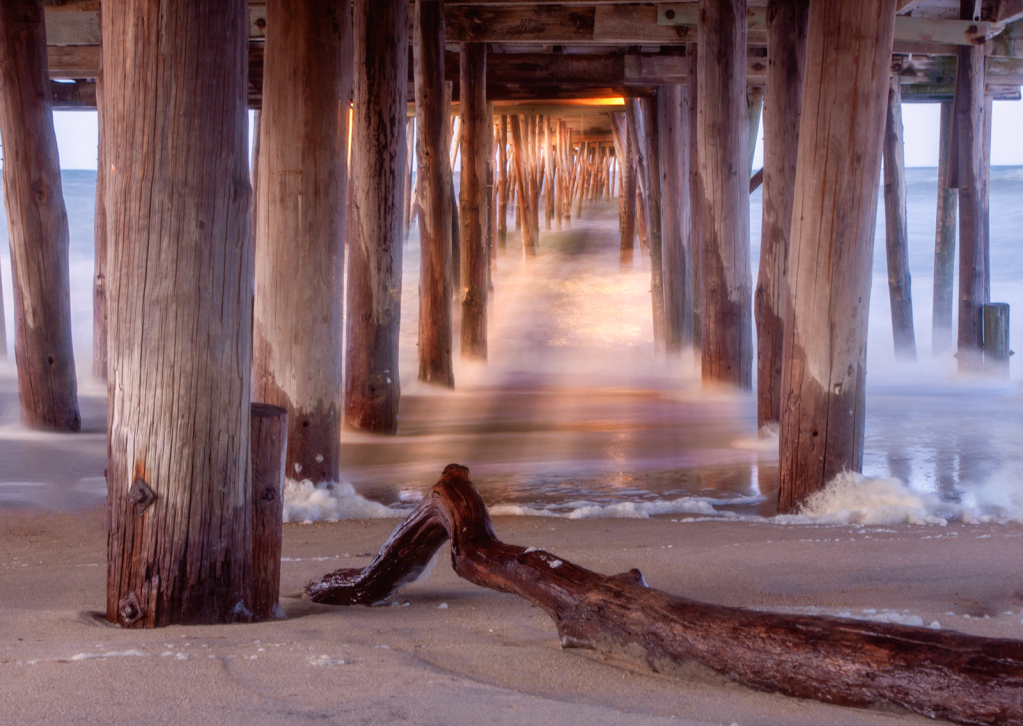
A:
x: 269, y: 494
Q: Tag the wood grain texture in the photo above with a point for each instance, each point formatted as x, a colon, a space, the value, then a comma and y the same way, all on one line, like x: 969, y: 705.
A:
x: 626, y: 194
x: 522, y: 200
x: 99, y: 278
x: 786, y: 54
x: 434, y: 182
x: 940, y: 674
x: 944, y: 238
x: 473, y: 201
x: 845, y: 94
x: 372, y: 388
x: 37, y: 225
x: 695, y: 192
x: 973, y: 273
x: 300, y: 228
x: 900, y: 292
x: 502, y: 184
x: 676, y: 227
x: 180, y: 312
x: 723, y: 137
x: 269, y: 442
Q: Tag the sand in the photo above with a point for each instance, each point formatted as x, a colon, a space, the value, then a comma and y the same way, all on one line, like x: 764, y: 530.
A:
x: 448, y: 652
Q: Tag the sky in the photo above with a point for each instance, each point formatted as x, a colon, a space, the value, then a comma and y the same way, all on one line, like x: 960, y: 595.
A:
x: 77, y: 133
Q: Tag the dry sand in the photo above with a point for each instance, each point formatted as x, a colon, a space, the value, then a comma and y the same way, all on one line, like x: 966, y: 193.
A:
x: 447, y: 652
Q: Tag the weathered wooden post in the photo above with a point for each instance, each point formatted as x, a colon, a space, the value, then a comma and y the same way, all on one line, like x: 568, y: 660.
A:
x: 973, y: 273
x: 434, y: 184
x: 723, y: 136
x: 996, y: 339
x: 269, y: 443
x: 475, y: 129
x: 502, y: 185
x: 300, y: 228
x: 900, y: 292
x: 522, y: 199
x: 848, y: 59
x: 649, y: 136
x: 786, y: 52
x: 673, y: 128
x: 36, y: 224
x: 178, y: 471
x: 627, y: 194
x: 548, y: 163
x: 695, y: 191
x: 944, y: 238
x: 372, y: 387
x: 99, y: 278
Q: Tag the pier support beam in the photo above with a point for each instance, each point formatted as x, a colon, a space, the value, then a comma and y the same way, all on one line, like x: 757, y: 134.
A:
x: 434, y: 184
x: 676, y: 253
x: 372, y: 386
x: 900, y: 293
x: 650, y: 138
x: 523, y: 199
x: 474, y: 202
x: 848, y: 59
x: 300, y: 228
x: 99, y: 277
x: 944, y: 238
x: 786, y: 53
x: 502, y: 184
x: 695, y: 190
x: 626, y: 193
x: 723, y: 129
x: 973, y: 253
x: 36, y: 223
x: 179, y: 509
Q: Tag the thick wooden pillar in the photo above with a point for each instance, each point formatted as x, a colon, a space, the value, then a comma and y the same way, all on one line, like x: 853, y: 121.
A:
x: 723, y: 134
x: 973, y: 275
x: 848, y: 57
x: 180, y: 261
x: 99, y: 278
x: 522, y: 198
x: 300, y: 228
x: 269, y: 443
x: 944, y: 238
x: 36, y: 224
x: 372, y: 387
x: 786, y: 53
x: 502, y: 184
x: 627, y: 193
x: 434, y: 187
x: 695, y: 191
x: 650, y: 137
x: 475, y: 129
x: 673, y: 129
x: 900, y: 293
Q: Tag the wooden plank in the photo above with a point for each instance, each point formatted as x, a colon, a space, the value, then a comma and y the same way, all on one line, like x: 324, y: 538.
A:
x: 73, y: 61
x: 848, y: 64
x: 434, y: 183
x: 1009, y: 11
x: 72, y: 27
x: 37, y: 224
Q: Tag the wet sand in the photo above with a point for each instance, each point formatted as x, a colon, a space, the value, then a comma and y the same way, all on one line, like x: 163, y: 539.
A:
x: 447, y: 652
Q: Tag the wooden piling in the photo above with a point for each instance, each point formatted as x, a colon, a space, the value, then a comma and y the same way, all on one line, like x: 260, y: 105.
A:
x: 435, y: 283
x: 944, y: 238
x: 695, y: 192
x: 723, y: 135
x: 37, y: 224
x: 300, y: 229
x: 627, y: 208
x: 99, y: 277
x: 372, y: 386
x: 996, y: 339
x: 673, y: 130
x: 410, y: 150
x: 548, y: 163
x: 502, y: 185
x: 475, y: 129
x: 269, y: 443
x: 848, y: 60
x: 973, y: 274
x: 522, y: 200
x: 179, y: 509
x: 900, y: 292
x: 649, y: 137
x: 786, y: 28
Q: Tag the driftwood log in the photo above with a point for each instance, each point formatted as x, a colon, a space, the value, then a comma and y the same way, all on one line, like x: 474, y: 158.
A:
x: 940, y: 674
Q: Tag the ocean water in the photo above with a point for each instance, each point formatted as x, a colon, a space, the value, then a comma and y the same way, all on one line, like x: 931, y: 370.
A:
x: 575, y: 416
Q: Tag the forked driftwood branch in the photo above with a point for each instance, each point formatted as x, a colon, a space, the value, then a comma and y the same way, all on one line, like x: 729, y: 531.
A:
x: 940, y: 674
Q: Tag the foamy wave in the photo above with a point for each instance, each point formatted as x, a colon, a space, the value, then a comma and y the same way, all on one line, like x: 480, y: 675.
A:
x: 625, y: 510
x: 851, y: 498
x: 305, y: 502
